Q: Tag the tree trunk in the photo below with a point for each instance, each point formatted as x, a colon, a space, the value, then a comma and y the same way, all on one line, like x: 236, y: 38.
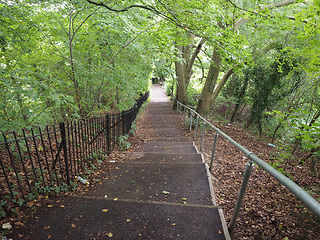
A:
x: 211, y: 81
x: 240, y: 98
x: 184, y: 69
x: 181, y: 90
x: 221, y: 84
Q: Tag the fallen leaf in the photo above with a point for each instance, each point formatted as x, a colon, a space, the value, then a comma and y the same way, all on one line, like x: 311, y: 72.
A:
x: 19, y: 224
x: 110, y: 235
x: 45, y: 228
x: 73, y: 225
x: 62, y: 206
x: 165, y: 192
x: 49, y: 206
x: 105, y: 210
x: 128, y: 220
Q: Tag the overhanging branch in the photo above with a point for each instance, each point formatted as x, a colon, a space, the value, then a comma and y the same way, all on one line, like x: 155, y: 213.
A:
x: 276, y: 5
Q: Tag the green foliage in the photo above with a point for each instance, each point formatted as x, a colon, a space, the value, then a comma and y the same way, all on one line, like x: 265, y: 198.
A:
x: 123, y: 143
x: 63, y: 60
x: 133, y: 129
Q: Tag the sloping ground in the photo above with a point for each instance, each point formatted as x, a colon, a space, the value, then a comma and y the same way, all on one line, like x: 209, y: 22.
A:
x: 159, y: 191
x: 269, y: 210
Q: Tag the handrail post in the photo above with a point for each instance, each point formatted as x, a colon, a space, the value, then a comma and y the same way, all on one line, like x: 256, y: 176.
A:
x: 213, y: 150
x: 196, y: 128
x: 184, y: 114
x: 177, y: 107
x: 191, y: 116
x: 248, y: 170
x: 202, y: 134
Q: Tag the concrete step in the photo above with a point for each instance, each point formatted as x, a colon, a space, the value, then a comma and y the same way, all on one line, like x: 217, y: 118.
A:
x: 162, y: 182
x: 169, y: 149
x: 169, y: 139
x: 159, y: 157
x: 166, y: 132
x: 165, y: 143
x: 98, y: 218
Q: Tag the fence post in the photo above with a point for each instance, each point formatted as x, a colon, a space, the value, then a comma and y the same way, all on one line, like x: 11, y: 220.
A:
x: 108, y: 133
x: 65, y: 150
x: 123, y: 124
x: 202, y: 134
x: 184, y: 114
x: 213, y: 150
x: 248, y: 170
x: 196, y: 128
x: 191, y: 117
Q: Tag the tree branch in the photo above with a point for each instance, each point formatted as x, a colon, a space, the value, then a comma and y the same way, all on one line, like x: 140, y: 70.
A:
x: 195, y: 54
x: 75, y: 32
x: 276, y: 5
x: 124, y: 46
x: 172, y: 19
x: 101, y: 4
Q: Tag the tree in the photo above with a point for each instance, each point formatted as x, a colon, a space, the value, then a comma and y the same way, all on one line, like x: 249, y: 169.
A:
x: 65, y: 60
x: 230, y: 48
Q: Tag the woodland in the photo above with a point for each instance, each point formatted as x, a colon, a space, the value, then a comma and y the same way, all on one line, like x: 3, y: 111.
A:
x: 257, y: 61
x: 63, y: 60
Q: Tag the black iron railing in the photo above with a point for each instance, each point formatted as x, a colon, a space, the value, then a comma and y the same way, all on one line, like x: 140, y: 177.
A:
x: 39, y: 161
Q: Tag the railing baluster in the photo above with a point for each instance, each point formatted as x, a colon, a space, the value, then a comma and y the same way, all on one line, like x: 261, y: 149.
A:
x: 38, y: 157
x: 52, y: 156
x: 13, y: 165
x: 65, y: 150
x: 7, y: 178
x: 202, y: 135
x: 22, y: 161
x: 246, y: 177
x: 45, y: 154
x: 108, y: 133
x: 196, y: 128
x: 30, y: 156
x: 213, y: 150
x: 57, y: 144
x: 73, y: 147
x: 191, y: 118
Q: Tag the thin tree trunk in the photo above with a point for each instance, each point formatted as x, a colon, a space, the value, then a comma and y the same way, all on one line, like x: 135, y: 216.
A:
x: 240, y: 98
x: 313, y: 120
x: 221, y: 84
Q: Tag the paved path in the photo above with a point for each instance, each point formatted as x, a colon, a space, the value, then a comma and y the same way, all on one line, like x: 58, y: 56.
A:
x: 160, y: 191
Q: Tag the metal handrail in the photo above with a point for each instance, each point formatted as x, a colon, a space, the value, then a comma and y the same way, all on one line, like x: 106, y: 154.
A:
x: 304, y: 196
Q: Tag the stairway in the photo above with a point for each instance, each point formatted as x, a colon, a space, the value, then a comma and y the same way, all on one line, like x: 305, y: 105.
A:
x: 166, y: 181
x: 162, y: 190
